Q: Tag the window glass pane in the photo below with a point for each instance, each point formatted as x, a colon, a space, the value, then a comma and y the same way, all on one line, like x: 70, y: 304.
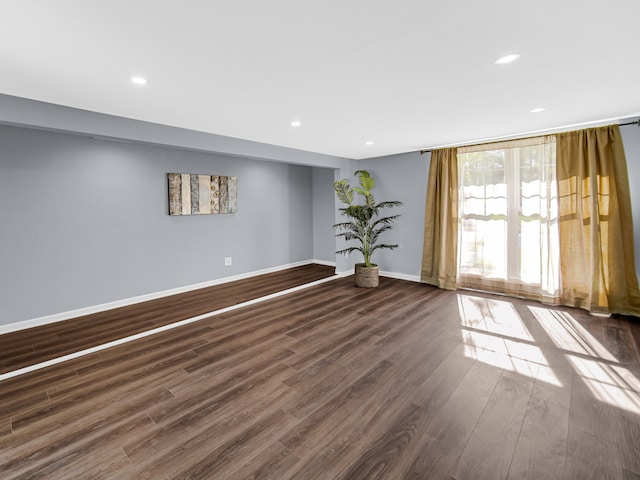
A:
x: 508, y: 216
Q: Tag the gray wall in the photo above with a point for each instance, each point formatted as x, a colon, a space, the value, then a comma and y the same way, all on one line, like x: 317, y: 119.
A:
x: 85, y: 222
x: 324, y: 245
x: 401, y: 177
x: 404, y: 177
x: 631, y: 139
x: 47, y: 116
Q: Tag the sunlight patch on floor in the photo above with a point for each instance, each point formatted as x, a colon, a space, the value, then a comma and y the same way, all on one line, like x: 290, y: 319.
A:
x: 567, y: 333
x: 609, y: 383
x: 494, y: 316
x: 494, y: 333
x: 604, y: 376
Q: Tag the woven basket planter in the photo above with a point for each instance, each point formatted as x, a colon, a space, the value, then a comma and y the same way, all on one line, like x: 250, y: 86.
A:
x: 366, y: 277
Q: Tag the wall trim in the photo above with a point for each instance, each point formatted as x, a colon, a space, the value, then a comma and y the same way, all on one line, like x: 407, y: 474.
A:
x: 344, y: 273
x: 59, y: 317
x: 401, y: 276
x: 323, y: 262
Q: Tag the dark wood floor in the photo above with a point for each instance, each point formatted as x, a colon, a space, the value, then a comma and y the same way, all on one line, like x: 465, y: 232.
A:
x: 39, y: 344
x: 335, y: 382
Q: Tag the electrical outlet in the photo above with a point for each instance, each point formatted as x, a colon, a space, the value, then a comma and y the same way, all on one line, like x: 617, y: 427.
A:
x: 228, y: 261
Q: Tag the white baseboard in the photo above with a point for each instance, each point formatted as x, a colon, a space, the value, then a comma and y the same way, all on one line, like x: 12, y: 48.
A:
x: 401, y: 276
x: 344, y: 273
x: 323, y: 262
x: 59, y: 317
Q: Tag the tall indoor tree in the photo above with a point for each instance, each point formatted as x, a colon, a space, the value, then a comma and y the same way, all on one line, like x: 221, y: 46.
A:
x: 365, y: 225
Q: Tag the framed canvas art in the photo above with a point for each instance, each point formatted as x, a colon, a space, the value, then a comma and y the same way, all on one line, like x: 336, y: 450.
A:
x: 194, y: 194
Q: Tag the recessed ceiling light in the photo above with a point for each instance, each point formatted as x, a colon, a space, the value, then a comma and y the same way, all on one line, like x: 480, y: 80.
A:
x: 507, y: 58
x: 538, y: 109
x: 368, y: 143
x: 295, y: 123
x: 139, y: 80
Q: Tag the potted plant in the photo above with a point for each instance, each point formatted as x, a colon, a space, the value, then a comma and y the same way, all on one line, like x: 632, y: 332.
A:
x: 364, y: 225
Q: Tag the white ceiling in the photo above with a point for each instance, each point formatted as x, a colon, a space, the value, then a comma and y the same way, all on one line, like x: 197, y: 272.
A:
x: 404, y: 74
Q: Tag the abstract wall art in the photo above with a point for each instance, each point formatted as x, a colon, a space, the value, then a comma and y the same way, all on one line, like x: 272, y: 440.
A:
x: 192, y: 194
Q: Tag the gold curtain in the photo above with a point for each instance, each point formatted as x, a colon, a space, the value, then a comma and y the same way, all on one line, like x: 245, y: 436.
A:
x: 439, y: 256
x: 597, y: 262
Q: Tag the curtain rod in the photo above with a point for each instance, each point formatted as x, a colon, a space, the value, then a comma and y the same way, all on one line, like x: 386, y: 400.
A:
x: 635, y: 122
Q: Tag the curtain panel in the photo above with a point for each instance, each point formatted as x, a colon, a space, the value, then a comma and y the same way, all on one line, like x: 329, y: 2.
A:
x: 595, y: 265
x: 439, y: 255
x: 597, y: 261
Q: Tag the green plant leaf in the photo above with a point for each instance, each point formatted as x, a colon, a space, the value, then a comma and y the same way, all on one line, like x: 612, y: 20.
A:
x: 389, y: 204
x: 365, y: 226
x: 343, y: 191
x: 347, y: 251
x: 384, y: 245
x: 366, y: 180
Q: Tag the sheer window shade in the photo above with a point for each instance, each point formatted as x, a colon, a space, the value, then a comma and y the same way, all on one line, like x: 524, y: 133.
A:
x: 508, y: 219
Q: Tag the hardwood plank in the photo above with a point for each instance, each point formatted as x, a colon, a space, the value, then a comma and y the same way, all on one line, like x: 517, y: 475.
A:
x: 345, y: 441
x: 386, y: 455
x: 249, y: 442
x: 455, y: 421
x: 147, y: 350
x: 271, y: 464
x: 315, y: 362
x: 171, y: 444
x: 542, y: 443
x: 634, y: 329
x: 106, y: 466
x: 225, y: 437
x: 234, y: 381
x: 435, y: 459
x: 48, y: 447
x: 595, y: 413
x: 332, y: 382
x: 23, y: 403
x: 422, y: 359
x: 75, y: 456
x: 352, y: 354
x: 313, y: 394
x: 5, y: 426
x: 190, y: 422
x: 246, y: 337
x: 161, y: 364
x: 554, y: 383
x: 395, y: 323
x: 629, y: 443
x: 212, y: 368
x: 27, y: 347
x: 333, y: 412
x: 489, y: 451
x: 437, y: 388
x: 591, y: 457
x: 618, y: 342
x: 65, y: 409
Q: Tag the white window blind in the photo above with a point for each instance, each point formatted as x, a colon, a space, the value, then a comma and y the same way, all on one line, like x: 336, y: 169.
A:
x: 508, y: 213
